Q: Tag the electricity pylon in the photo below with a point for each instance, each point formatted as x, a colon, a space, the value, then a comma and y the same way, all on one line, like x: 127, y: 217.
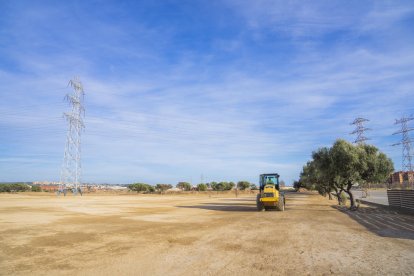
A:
x: 359, y: 130
x: 405, y: 142
x: 71, y: 169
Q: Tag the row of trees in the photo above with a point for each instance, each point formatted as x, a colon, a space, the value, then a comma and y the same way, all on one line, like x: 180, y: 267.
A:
x: 226, y: 186
x: 185, y: 186
x: 14, y: 187
x: 146, y: 188
x: 336, y: 169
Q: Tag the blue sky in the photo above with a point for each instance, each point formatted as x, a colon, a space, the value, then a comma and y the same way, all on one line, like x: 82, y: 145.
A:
x: 179, y: 89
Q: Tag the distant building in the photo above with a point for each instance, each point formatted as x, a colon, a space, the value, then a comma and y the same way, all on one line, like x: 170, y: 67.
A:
x: 402, y: 177
x: 49, y: 188
x: 46, y: 183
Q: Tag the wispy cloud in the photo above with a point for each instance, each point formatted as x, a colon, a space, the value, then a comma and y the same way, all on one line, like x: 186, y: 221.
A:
x: 257, y: 90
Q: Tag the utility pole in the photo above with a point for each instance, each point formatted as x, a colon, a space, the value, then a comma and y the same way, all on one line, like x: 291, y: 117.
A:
x: 359, y: 130
x: 405, y: 142
x: 71, y: 169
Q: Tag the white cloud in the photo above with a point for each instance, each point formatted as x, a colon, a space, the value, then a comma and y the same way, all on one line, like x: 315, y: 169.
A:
x: 173, y: 121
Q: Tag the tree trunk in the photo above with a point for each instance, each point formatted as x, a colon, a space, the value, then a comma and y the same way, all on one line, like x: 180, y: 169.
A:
x: 330, y: 196
x: 351, y: 197
x: 338, y: 195
x: 343, y: 202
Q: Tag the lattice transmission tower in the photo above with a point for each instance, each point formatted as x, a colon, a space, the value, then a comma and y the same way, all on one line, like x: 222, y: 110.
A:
x: 405, y: 142
x: 71, y: 169
x: 359, y: 130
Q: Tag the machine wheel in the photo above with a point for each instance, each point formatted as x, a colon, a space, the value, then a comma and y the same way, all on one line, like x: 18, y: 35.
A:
x: 281, y: 204
x: 259, y: 204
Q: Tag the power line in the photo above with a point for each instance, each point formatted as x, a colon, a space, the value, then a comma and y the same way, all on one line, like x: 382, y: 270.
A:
x: 359, y: 130
x: 405, y: 142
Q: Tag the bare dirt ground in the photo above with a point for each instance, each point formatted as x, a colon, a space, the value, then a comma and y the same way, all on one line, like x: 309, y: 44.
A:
x: 197, y: 234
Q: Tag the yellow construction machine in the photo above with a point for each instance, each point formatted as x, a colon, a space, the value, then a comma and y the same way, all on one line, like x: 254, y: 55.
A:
x: 270, y: 196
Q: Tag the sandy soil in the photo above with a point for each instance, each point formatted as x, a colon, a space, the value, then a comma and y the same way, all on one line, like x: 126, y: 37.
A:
x: 194, y: 234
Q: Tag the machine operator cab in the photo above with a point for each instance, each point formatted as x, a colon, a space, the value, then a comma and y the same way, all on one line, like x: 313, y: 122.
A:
x: 269, y: 179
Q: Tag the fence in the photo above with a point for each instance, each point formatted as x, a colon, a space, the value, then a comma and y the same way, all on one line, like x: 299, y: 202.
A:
x: 405, y: 185
x: 401, y: 199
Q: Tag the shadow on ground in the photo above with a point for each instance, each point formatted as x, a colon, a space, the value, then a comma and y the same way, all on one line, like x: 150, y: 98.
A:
x: 230, y: 204
x: 382, y: 222
x: 238, y: 199
x: 226, y: 207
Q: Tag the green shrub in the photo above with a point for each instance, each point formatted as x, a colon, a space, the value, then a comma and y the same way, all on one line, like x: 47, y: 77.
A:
x: 36, y: 188
x: 162, y: 187
x: 14, y: 187
x: 141, y: 187
x: 202, y: 187
x: 185, y: 186
x: 243, y: 185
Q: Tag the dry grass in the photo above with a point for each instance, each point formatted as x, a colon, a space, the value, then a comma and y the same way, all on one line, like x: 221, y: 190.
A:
x: 189, y: 234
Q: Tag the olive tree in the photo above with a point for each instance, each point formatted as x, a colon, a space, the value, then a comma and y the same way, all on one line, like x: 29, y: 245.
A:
x: 347, y: 165
x: 162, y: 187
x: 202, y: 187
x: 309, y: 176
x: 341, y: 166
x: 185, y: 186
x: 360, y: 164
x: 243, y: 185
x: 141, y: 187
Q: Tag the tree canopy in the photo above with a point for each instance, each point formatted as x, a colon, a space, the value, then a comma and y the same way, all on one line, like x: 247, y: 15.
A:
x: 163, y: 187
x: 338, y: 168
x: 36, y: 188
x: 141, y: 187
x: 185, y: 186
x: 243, y: 185
x: 202, y: 187
x: 222, y: 186
x: 14, y: 187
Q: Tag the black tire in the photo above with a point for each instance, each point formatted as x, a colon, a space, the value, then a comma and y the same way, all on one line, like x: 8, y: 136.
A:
x: 259, y: 204
x: 281, y: 204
